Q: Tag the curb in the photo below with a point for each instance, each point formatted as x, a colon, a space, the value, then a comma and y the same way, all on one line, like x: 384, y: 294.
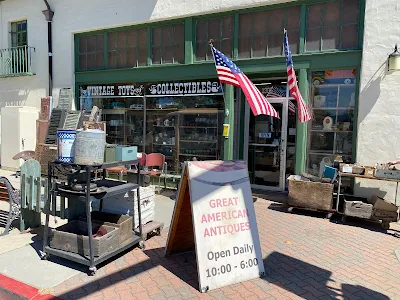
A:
x: 23, y: 290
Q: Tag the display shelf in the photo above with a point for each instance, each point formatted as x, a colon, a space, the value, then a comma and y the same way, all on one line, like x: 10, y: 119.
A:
x: 204, y: 127
x: 197, y: 155
x: 203, y: 142
x: 331, y: 131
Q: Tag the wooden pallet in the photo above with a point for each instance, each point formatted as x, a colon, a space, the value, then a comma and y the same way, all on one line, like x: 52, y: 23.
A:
x: 329, y: 213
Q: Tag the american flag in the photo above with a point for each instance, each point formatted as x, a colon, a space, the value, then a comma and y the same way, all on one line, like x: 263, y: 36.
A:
x: 303, y: 113
x: 229, y: 73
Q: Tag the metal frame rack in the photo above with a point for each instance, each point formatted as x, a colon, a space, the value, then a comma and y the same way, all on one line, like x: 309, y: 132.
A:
x: 54, y: 191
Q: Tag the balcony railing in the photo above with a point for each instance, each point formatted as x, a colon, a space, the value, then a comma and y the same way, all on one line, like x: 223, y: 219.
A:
x: 16, y: 61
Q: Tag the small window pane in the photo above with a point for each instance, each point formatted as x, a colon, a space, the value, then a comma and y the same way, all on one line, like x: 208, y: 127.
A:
x: 100, y: 42
x: 82, y: 44
x: 91, y: 43
x: 112, y: 41
x: 131, y: 57
x: 244, y: 47
x: 293, y: 17
x: 99, y: 60
x: 156, y: 52
x: 82, y: 62
x: 201, y: 49
x: 330, y: 38
x: 349, y: 37
x: 276, y: 23
x: 112, y: 59
x: 260, y: 22
x: 201, y: 33
x: 294, y: 41
x: 142, y: 37
x: 332, y: 13
x: 14, y: 27
x: 344, y: 143
x: 132, y: 38
x: 227, y: 26
x: 167, y: 34
x: 314, y: 15
x: 260, y: 46
x: 156, y: 36
x: 179, y: 35
x: 347, y: 96
x: 322, y: 141
x: 142, y: 61
x: 121, y: 40
x: 214, y: 28
x: 179, y: 55
x: 245, y: 21
x: 275, y: 44
x: 167, y: 54
x: 313, y: 39
x: 91, y: 61
x: 351, y: 11
x: 227, y: 47
x: 121, y: 59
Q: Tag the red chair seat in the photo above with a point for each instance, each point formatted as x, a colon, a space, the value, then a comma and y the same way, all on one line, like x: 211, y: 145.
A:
x: 117, y: 170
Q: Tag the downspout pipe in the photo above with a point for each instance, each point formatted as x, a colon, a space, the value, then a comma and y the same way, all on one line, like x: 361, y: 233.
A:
x: 48, y: 13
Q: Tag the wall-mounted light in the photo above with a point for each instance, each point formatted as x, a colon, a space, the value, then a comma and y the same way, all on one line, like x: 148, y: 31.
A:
x: 394, y: 60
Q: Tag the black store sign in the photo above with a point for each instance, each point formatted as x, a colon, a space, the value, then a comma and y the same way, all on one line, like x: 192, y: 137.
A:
x: 161, y: 89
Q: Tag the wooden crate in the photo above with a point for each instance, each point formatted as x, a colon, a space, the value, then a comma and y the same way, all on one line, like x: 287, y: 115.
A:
x: 309, y: 194
x: 123, y: 222
x: 73, y: 237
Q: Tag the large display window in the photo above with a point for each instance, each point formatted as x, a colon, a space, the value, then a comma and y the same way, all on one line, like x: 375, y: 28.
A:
x: 182, y: 120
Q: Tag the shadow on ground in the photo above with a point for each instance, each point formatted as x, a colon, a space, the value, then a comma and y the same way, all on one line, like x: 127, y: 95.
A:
x: 302, y: 279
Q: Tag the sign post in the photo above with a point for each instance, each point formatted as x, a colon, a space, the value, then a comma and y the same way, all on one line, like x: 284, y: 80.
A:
x: 214, y: 214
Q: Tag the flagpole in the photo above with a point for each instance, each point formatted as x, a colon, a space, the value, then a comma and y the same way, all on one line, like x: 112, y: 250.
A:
x: 229, y: 109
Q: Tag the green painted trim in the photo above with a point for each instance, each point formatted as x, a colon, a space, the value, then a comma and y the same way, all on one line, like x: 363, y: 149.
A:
x: 230, y: 119
x: 361, y: 24
x: 241, y: 128
x: 301, y: 131
x: 321, y: 61
x: 189, y: 39
x: 149, y: 46
x: 76, y: 52
x: 303, y: 29
x: 235, y: 53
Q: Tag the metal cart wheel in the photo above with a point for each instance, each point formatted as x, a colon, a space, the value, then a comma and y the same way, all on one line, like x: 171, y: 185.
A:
x: 386, y: 225
x: 343, y: 219
x: 142, y: 245
x: 329, y: 215
x: 92, y: 271
x: 158, y: 231
x: 290, y: 209
x: 45, y: 256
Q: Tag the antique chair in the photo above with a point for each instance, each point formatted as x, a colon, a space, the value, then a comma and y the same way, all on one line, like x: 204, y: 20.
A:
x: 157, y: 160
x: 15, y: 205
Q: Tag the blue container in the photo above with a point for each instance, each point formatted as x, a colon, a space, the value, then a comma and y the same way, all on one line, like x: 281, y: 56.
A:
x: 123, y: 153
x: 66, y: 145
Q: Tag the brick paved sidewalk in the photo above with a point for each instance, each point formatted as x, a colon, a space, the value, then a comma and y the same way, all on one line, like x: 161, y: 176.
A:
x: 305, y: 257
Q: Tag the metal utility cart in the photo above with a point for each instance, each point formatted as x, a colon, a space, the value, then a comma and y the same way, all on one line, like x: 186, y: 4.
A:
x: 83, y: 200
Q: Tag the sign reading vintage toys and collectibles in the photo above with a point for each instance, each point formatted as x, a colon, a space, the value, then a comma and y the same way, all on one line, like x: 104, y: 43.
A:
x: 214, y: 214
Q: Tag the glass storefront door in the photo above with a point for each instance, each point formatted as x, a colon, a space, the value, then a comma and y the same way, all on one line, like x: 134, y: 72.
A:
x: 267, y: 148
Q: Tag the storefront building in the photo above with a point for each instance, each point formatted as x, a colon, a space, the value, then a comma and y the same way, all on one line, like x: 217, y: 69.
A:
x: 162, y: 60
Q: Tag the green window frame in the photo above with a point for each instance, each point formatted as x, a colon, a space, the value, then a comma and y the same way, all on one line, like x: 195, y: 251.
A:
x: 168, y: 44
x: 264, y: 38
x: 91, y: 52
x: 220, y: 30
x: 19, y: 33
x: 333, y: 25
x: 127, y: 48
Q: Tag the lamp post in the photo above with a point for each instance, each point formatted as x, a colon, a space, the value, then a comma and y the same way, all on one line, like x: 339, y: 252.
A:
x: 394, y: 60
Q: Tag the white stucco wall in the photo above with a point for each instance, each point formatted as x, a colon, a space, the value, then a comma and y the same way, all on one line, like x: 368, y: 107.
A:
x: 379, y: 104
x: 77, y: 16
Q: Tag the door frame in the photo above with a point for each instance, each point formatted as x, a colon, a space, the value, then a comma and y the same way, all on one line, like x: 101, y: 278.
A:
x: 282, y: 170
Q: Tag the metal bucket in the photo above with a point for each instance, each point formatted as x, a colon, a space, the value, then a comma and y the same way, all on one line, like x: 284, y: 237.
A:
x: 66, y: 140
x: 89, y: 147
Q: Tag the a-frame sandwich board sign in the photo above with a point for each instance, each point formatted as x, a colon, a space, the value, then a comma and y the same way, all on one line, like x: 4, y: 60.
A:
x: 214, y: 214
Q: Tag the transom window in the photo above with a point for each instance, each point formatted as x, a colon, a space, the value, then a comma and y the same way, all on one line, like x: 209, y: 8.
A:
x: 333, y: 25
x: 168, y: 44
x: 218, y: 29
x: 19, y: 34
x: 261, y: 33
x: 91, y: 52
x: 127, y: 48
